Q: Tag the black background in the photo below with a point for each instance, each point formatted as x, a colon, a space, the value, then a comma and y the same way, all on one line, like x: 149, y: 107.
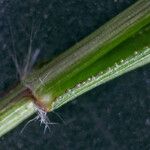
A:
x: 113, y: 116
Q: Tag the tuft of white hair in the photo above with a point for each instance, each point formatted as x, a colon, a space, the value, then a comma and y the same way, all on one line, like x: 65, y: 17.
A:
x: 42, y: 118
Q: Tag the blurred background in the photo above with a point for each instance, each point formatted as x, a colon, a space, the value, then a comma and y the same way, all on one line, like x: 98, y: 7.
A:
x: 113, y: 116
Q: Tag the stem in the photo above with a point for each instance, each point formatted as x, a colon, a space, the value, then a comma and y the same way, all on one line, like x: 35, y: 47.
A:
x: 87, y: 58
x: 119, y: 46
x: 14, y: 108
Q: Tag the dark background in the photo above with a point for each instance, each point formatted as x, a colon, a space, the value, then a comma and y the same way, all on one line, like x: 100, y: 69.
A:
x: 113, y: 116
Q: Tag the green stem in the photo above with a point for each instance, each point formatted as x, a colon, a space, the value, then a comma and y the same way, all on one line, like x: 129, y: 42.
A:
x: 86, y: 59
x: 119, y: 46
x: 14, y: 109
